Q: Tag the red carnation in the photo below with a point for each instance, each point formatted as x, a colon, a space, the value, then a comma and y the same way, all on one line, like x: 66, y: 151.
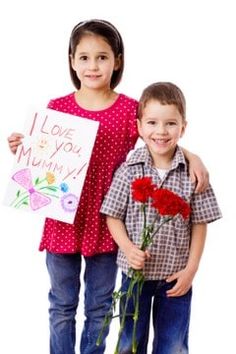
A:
x: 168, y: 203
x: 142, y: 189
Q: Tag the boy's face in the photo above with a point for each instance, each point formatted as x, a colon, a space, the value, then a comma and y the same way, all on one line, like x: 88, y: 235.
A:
x: 161, y: 126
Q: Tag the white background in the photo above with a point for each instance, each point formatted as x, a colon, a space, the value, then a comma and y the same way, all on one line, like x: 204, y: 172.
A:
x: 190, y: 43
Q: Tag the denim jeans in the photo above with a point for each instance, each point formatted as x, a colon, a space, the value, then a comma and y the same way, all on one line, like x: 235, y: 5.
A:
x: 99, y: 277
x: 170, y: 320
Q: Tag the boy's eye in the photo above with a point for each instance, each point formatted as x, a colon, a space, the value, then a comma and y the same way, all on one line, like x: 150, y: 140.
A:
x: 171, y: 123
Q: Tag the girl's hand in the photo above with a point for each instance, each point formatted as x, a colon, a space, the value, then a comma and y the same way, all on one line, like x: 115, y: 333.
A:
x: 183, y: 279
x: 14, y: 140
x: 198, y: 173
x: 136, y: 258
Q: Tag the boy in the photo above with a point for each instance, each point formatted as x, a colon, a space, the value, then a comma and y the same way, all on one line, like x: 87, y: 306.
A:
x: 172, y: 259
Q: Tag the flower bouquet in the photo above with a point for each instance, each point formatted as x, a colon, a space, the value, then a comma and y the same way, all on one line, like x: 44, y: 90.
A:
x: 167, y: 205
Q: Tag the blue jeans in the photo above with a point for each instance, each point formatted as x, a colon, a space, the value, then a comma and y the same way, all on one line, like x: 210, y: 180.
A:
x: 170, y: 320
x: 99, y: 277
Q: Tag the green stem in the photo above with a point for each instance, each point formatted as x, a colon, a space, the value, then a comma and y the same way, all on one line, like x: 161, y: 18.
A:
x: 123, y: 317
x: 20, y: 202
x: 135, y: 320
x: 165, y: 219
x: 24, y: 193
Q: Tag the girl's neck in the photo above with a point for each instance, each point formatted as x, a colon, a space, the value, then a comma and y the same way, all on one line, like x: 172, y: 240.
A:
x: 95, y: 100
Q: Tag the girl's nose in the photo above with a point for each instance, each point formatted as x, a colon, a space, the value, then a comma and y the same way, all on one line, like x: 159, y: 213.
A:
x: 93, y: 64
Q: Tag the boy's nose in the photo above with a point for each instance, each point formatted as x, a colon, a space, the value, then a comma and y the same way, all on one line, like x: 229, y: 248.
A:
x: 161, y: 129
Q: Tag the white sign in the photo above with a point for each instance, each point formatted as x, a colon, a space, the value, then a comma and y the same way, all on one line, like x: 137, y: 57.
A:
x: 51, y: 164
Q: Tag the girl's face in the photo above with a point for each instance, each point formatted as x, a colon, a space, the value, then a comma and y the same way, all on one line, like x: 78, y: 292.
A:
x: 94, y: 62
x: 161, y: 126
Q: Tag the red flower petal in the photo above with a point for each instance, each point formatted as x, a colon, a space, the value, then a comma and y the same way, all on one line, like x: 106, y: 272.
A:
x: 170, y: 204
x: 142, y: 189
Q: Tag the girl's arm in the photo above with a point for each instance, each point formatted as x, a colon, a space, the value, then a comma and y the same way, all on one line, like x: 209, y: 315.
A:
x: 134, y: 255
x: 197, y: 170
x: 185, y: 277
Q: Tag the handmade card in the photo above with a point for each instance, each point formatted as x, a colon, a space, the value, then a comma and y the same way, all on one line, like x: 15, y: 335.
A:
x: 51, y: 164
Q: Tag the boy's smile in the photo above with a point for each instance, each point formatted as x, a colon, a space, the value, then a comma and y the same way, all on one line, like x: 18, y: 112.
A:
x: 161, y: 126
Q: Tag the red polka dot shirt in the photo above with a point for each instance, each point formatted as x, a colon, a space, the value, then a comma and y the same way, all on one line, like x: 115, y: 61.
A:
x: 117, y: 135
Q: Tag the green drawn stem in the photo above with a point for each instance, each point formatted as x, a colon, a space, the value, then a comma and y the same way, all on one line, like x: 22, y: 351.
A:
x: 19, y: 203
x: 26, y: 192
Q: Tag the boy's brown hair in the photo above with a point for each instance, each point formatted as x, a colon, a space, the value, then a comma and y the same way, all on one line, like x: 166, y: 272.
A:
x: 166, y: 93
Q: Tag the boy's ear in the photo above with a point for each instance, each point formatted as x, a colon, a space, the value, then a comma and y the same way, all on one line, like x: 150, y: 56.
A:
x: 139, y: 126
x: 183, y: 128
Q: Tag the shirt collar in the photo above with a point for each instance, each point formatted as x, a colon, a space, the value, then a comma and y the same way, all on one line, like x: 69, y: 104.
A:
x: 142, y: 155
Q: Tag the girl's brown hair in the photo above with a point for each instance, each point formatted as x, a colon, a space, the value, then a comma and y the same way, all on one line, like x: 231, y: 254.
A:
x: 110, y: 34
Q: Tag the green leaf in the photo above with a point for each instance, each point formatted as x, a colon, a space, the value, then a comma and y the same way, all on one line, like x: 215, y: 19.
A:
x: 51, y: 188
x: 36, y: 181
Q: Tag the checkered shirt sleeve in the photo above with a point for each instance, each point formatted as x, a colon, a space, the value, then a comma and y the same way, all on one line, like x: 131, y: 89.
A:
x: 204, y: 207
x: 116, y: 200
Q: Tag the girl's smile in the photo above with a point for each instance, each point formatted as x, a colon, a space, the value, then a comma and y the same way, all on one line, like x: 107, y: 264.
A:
x: 94, y: 62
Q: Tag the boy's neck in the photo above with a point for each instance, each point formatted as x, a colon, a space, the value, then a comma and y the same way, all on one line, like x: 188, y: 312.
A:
x: 163, y: 161
x: 95, y: 99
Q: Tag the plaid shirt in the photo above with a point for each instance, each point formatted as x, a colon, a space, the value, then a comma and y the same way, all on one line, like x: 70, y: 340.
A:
x: 170, y: 248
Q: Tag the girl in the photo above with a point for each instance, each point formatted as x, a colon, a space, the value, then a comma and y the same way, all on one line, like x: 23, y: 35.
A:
x: 96, y: 62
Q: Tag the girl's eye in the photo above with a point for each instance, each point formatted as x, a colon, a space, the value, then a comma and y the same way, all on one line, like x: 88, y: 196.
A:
x: 102, y: 57
x: 151, y: 122
x: 83, y: 57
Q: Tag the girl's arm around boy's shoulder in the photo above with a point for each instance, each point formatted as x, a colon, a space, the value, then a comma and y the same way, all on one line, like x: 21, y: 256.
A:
x: 197, y: 170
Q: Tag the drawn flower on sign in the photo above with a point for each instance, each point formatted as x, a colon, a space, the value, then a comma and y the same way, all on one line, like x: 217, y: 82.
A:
x: 69, y: 202
x: 50, y: 177
x: 64, y: 187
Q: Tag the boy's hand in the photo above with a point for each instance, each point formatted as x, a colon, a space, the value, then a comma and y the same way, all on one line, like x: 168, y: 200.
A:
x: 183, y: 279
x: 136, y: 258
x: 14, y: 140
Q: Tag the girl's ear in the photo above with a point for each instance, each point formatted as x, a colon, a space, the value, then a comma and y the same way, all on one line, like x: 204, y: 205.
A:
x: 117, y: 62
x: 72, y: 62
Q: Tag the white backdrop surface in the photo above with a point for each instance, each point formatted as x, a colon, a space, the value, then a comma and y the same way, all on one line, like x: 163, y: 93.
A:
x: 190, y: 43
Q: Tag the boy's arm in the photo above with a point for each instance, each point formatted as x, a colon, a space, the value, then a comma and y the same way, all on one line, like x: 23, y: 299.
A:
x: 197, y: 171
x: 134, y: 255
x: 185, y: 277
